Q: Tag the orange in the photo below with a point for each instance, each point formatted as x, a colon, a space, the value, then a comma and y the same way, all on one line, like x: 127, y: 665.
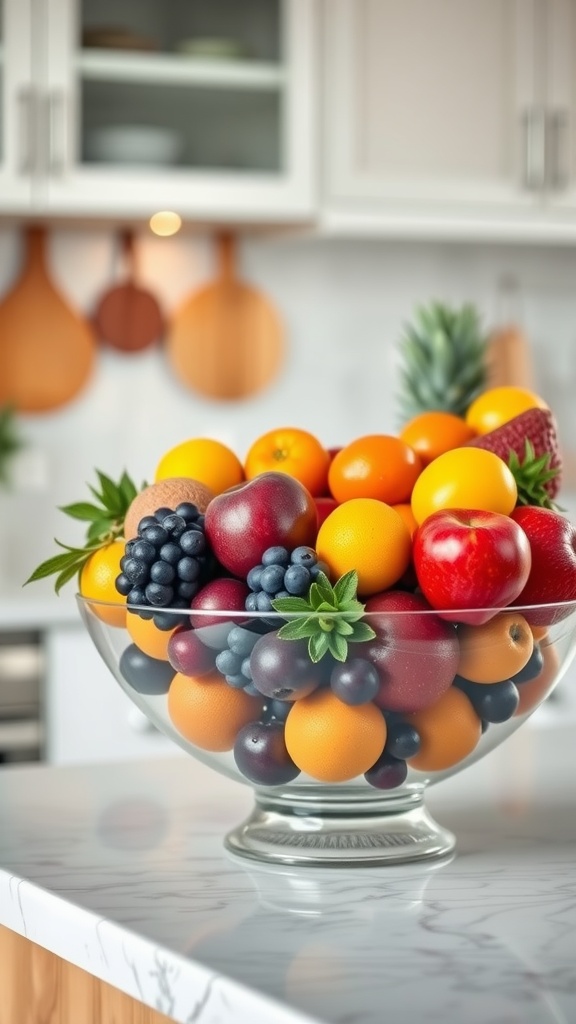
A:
x: 498, y: 405
x: 97, y: 581
x: 333, y: 741
x: 534, y: 691
x: 432, y: 433
x: 469, y: 478
x: 368, y: 536
x: 203, y: 459
x: 449, y: 730
x: 495, y: 650
x: 377, y: 466
x: 405, y: 511
x: 208, y: 712
x: 292, y: 451
x: 147, y: 636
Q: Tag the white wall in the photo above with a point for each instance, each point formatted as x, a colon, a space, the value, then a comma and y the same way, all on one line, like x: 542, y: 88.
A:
x: 343, y: 304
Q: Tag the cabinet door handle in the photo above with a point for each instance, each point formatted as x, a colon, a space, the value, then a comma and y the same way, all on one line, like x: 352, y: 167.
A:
x: 57, y: 128
x: 557, y: 176
x: 534, y: 123
x: 28, y: 152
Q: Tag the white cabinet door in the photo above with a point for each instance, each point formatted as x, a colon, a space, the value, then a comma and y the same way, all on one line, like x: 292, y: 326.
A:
x: 133, y: 131
x: 561, y: 105
x: 88, y: 716
x: 432, y: 104
x: 18, y: 108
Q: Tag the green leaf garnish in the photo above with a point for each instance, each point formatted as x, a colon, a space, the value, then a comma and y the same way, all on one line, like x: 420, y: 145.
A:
x: 105, y: 523
x: 531, y: 476
x: 329, y: 617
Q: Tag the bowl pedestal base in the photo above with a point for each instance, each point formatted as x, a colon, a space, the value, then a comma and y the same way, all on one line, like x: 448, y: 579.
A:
x: 292, y: 829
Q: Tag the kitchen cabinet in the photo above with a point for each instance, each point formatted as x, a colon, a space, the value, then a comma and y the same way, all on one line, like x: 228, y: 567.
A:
x: 17, y: 128
x: 133, y: 107
x: 450, y: 116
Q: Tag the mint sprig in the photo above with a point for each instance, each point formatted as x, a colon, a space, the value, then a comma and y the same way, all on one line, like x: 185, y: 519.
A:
x: 329, y: 617
x: 105, y: 523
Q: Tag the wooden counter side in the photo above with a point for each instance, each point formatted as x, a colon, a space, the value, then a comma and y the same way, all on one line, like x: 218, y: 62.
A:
x: 39, y: 987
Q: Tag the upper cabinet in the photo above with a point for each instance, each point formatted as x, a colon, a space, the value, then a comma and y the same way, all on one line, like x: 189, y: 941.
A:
x: 141, y: 105
x: 449, y: 114
x: 18, y: 149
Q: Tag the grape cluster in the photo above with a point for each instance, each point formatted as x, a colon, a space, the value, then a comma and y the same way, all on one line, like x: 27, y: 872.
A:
x: 166, y: 564
x: 233, y: 661
x: 282, y: 573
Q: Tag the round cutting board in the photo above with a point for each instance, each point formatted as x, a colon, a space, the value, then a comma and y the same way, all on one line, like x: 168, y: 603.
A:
x: 128, y: 317
x: 226, y: 341
x: 47, y: 350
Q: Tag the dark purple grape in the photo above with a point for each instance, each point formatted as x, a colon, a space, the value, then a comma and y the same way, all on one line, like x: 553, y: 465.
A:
x: 388, y: 773
x: 123, y: 585
x: 158, y: 595
x: 144, y: 674
x: 493, y: 702
x: 187, y: 654
x: 319, y: 567
x: 193, y: 542
x: 260, y: 754
x: 170, y: 552
x: 187, y: 510
x: 241, y: 640
x: 144, y: 551
x: 174, y: 524
x: 252, y: 603
x: 355, y: 681
x: 253, y: 577
x: 144, y: 524
x: 228, y: 663
x: 276, y: 709
x: 162, y: 572
x: 532, y: 668
x: 188, y: 569
x: 402, y: 740
x: 297, y: 580
x: 263, y: 602
x: 272, y: 579
x: 276, y: 556
x: 135, y: 570
x: 156, y: 535
x: 161, y: 513
x: 282, y: 668
x: 304, y: 556
x: 136, y: 596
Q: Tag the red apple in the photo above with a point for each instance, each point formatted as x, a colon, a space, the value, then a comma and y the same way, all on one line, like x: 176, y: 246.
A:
x: 470, y: 558
x: 218, y: 596
x: 324, y: 506
x: 552, y: 577
x: 415, y: 652
x: 272, y: 509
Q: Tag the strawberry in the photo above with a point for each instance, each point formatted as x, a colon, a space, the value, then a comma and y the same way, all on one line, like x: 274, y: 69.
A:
x: 529, y: 445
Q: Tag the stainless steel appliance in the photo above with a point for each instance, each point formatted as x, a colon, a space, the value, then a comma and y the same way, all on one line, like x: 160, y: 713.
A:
x: 21, y: 672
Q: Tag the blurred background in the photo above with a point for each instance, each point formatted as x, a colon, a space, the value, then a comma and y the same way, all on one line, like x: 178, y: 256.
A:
x: 347, y: 160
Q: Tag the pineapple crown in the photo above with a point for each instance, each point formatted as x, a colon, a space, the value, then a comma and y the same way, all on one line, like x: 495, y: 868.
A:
x: 444, y: 354
x: 531, y: 474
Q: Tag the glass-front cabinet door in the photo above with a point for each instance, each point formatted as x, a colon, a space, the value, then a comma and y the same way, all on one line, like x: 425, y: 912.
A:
x: 204, y: 108
x: 19, y: 150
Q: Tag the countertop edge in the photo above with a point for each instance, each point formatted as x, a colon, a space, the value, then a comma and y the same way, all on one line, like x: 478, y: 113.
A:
x: 176, y: 986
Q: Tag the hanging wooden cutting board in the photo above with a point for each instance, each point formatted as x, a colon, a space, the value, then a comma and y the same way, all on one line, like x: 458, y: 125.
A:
x: 47, y: 350
x: 226, y: 341
x: 128, y: 317
x: 509, y: 358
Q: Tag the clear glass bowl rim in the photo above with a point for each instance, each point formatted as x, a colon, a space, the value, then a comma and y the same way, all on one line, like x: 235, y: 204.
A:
x: 210, y: 613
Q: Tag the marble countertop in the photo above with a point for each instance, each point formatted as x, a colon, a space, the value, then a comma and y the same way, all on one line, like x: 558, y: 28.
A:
x: 121, y: 870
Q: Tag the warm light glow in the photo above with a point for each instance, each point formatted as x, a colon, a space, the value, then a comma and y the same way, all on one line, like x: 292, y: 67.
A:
x: 165, y: 222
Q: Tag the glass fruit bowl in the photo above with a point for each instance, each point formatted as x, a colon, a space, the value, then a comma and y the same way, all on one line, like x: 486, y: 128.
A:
x: 339, y: 751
